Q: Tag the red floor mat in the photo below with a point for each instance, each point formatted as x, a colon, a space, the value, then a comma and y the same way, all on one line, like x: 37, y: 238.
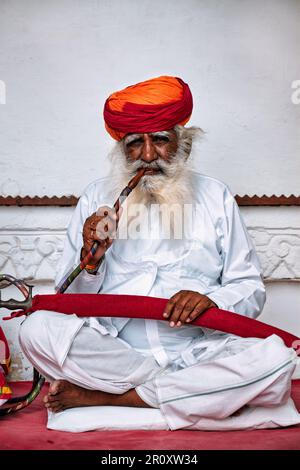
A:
x: 27, y: 430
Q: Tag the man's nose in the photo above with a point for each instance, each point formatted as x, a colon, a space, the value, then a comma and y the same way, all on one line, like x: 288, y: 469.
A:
x: 148, y: 152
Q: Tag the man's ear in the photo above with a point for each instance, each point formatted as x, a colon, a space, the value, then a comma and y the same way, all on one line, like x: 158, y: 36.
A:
x: 186, y: 136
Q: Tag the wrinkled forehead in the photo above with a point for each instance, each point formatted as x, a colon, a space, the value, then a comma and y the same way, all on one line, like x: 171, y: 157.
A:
x: 131, y: 137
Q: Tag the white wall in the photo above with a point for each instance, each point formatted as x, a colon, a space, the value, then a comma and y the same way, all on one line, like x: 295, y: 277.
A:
x: 60, y: 59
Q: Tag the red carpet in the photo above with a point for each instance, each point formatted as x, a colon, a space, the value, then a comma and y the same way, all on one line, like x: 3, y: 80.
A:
x: 27, y: 430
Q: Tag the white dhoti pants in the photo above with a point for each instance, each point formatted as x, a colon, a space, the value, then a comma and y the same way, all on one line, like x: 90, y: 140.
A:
x: 246, y: 371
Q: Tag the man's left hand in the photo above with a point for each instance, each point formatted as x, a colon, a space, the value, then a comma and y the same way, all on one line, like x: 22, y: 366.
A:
x: 185, y: 306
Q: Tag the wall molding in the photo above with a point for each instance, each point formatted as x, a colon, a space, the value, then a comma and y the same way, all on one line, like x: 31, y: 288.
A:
x: 36, y: 201
x: 68, y: 201
x: 265, y: 200
x: 33, y: 254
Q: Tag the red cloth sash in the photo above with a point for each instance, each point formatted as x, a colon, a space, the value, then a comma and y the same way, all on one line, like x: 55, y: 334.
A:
x: 130, y: 306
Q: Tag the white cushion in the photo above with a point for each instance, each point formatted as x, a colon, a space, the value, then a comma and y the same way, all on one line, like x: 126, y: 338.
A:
x: 107, y: 418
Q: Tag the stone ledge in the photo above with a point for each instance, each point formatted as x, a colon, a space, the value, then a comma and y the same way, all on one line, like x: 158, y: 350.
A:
x: 67, y: 201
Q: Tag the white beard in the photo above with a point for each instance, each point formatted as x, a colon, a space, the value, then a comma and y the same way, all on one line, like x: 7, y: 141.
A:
x: 171, y: 188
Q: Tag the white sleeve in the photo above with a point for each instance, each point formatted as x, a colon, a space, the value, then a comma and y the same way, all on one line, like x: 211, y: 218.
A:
x: 242, y: 289
x: 85, y: 282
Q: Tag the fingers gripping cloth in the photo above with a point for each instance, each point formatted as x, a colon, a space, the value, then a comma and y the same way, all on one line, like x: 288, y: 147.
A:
x: 130, y: 306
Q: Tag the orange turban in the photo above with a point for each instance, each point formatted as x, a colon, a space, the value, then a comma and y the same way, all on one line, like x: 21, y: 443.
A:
x: 154, y: 105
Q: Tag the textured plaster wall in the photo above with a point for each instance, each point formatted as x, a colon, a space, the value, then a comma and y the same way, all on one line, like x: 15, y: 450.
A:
x: 60, y: 59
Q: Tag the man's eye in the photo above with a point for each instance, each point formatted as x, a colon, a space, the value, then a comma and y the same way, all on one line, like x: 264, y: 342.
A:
x: 134, y: 142
x: 160, y: 138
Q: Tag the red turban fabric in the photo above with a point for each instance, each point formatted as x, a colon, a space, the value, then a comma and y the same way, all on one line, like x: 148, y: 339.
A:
x: 151, y: 106
x: 136, y: 306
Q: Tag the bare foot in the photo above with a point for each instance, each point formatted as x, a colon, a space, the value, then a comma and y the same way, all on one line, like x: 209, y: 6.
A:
x: 63, y: 394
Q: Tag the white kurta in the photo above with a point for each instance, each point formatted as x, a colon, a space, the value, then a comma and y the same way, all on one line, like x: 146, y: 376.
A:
x: 216, y: 258
x: 196, y: 377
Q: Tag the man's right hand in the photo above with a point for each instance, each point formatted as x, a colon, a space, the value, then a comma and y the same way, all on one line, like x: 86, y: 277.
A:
x: 100, y: 226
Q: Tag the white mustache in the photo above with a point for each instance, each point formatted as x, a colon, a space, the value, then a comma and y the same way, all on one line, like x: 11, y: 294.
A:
x: 156, y: 164
x: 165, y: 168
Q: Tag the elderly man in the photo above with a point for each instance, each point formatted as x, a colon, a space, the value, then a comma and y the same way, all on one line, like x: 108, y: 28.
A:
x: 188, y: 372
